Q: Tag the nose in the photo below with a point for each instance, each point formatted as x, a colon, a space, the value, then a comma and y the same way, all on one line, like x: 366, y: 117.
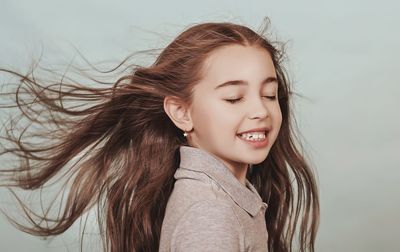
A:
x: 258, y: 109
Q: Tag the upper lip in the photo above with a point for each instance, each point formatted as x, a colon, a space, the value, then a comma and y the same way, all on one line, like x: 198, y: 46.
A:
x: 255, y: 130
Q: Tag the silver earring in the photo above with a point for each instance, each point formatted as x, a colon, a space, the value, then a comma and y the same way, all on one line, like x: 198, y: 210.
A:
x: 185, y: 134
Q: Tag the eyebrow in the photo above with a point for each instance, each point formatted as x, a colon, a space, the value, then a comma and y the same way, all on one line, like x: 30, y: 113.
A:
x: 243, y: 82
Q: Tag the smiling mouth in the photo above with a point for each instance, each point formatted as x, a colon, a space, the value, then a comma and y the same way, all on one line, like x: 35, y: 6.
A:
x: 249, y: 136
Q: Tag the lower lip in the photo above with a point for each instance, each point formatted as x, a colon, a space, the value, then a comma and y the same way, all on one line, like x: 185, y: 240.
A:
x: 257, y: 144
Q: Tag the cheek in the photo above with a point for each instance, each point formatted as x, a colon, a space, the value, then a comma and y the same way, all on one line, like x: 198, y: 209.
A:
x: 228, y: 115
x: 212, y: 118
x: 201, y: 120
x: 277, y: 117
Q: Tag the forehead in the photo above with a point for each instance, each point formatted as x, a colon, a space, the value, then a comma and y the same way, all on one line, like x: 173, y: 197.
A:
x: 238, y: 62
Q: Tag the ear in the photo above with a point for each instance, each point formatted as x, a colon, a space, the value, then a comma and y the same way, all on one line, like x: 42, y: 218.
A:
x: 178, y: 112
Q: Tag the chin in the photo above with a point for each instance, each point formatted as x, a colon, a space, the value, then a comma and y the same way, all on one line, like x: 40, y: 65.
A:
x: 255, y: 161
x: 262, y: 157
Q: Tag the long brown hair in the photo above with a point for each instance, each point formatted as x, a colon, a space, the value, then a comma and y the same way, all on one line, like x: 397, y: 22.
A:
x: 131, y: 147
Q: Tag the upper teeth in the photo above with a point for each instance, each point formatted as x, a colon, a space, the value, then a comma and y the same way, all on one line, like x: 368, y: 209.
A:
x: 253, y: 135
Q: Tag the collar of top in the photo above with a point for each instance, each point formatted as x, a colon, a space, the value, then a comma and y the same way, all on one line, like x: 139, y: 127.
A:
x: 200, y: 160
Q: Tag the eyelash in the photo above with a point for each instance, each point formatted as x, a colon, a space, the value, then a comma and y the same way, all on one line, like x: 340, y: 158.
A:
x: 233, y: 101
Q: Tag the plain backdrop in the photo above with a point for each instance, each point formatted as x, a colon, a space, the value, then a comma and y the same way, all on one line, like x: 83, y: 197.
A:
x: 343, y: 58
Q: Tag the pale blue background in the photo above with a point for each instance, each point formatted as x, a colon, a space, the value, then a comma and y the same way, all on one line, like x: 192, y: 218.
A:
x: 344, y: 57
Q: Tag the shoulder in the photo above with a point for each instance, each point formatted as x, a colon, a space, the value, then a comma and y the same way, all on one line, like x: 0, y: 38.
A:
x: 208, y: 225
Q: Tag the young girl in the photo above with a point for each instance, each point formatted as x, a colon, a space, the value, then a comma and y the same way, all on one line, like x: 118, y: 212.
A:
x: 193, y: 153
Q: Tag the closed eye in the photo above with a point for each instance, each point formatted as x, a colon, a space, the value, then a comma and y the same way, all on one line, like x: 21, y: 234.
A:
x: 233, y: 101
x: 271, y: 97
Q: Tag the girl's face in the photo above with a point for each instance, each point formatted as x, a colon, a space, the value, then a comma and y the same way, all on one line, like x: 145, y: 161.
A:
x: 217, y: 121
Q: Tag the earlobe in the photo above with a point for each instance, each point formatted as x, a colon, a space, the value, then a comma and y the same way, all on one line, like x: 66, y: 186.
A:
x: 178, y: 113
